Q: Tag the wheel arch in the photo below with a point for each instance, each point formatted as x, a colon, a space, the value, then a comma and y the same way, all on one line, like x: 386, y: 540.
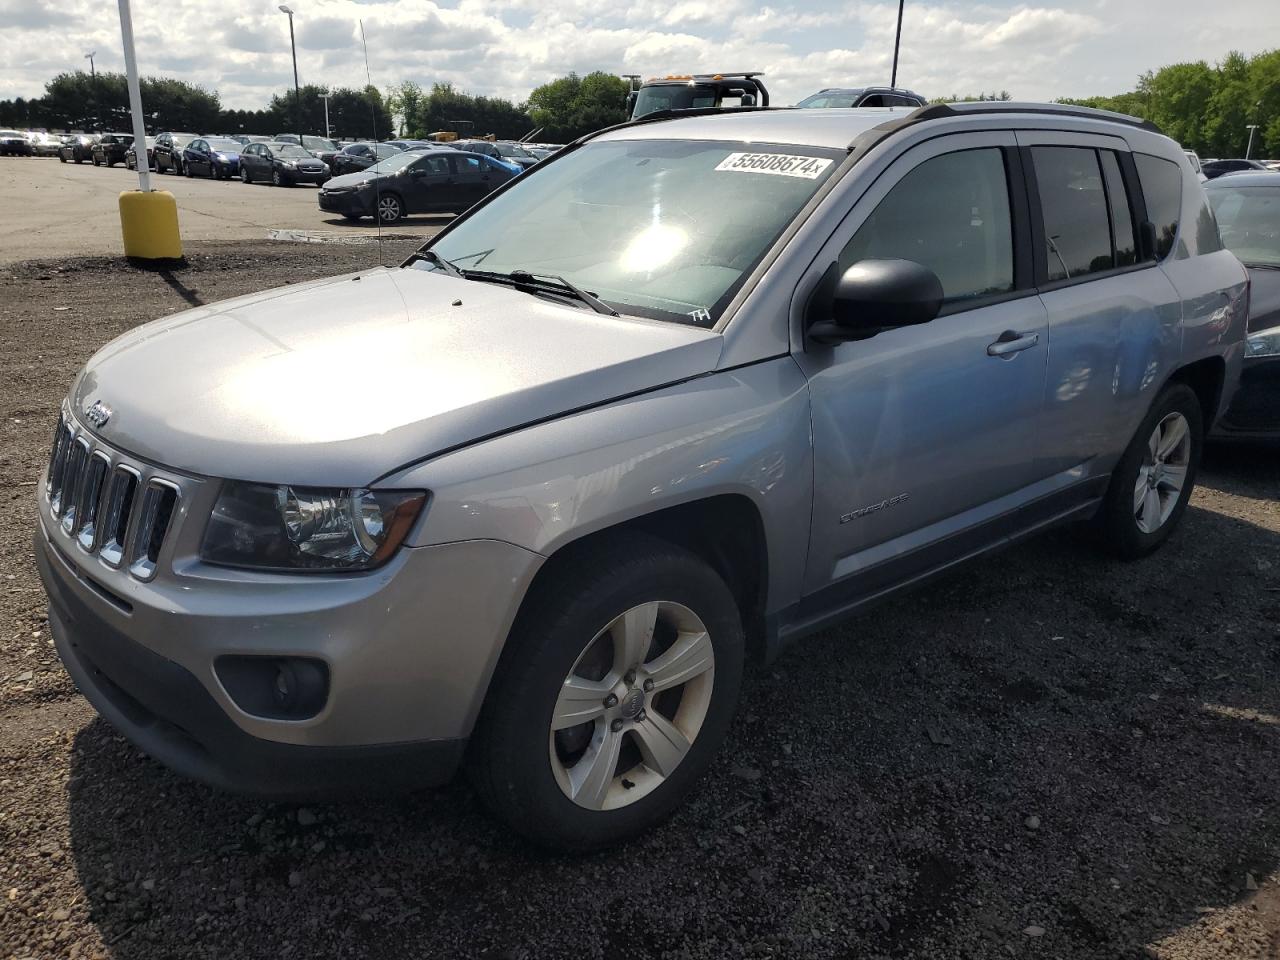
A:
x: 1206, y: 377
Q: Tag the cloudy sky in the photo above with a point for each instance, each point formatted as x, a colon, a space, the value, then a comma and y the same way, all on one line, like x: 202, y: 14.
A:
x: 506, y: 47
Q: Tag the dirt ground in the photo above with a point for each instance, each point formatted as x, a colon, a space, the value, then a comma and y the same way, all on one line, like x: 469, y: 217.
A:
x: 1051, y: 754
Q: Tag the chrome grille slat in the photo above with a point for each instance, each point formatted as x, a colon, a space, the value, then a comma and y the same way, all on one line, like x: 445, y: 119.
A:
x: 77, y: 460
x: 158, y: 502
x: 90, y: 500
x: 122, y: 492
x: 120, y: 512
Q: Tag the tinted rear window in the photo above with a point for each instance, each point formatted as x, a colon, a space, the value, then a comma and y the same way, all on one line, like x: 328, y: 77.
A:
x: 1162, y: 189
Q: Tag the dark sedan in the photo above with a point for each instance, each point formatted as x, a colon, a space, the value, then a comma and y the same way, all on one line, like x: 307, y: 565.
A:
x: 14, y: 143
x: 359, y: 156
x: 435, y: 181
x: 317, y: 146
x: 131, y: 156
x: 1247, y: 206
x: 168, y: 151
x: 110, y: 149
x: 76, y: 148
x: 217, y: 157
x: 283, y: 164
x: 1212, y: 169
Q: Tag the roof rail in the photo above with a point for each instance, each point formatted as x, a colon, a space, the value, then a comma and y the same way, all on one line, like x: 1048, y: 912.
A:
x: 938, y: 110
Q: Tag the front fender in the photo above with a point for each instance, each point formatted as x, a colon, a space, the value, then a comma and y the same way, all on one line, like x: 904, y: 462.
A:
x: 744, y: 431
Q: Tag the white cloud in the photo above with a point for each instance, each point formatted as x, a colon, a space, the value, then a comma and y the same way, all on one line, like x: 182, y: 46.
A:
x: 506, y: 47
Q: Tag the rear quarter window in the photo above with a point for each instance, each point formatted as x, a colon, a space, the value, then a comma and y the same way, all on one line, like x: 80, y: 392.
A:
x: 1162, y: 190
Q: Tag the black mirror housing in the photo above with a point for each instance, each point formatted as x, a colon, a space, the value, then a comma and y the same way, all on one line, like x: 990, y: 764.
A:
x: 876, y: 295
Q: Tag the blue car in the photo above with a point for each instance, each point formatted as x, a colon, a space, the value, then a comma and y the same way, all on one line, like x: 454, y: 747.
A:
x: 217, y: 157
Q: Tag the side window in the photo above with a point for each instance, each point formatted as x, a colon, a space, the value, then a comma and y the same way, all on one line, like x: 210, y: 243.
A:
x: 1073, y: 205
x: 467, y: 164
x: 873, y: 100
x: 1122, y: 233
x: 950, y: 214
x: 435, y: 166
x: 1162, y: 189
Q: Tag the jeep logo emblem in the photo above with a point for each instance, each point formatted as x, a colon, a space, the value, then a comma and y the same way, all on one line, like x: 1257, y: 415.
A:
x: 97, y: 413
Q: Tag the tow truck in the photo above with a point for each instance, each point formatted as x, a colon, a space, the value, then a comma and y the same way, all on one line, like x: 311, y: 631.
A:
x: 690, y: 91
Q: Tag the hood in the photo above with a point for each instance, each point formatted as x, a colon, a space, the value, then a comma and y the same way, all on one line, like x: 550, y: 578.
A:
x: 350, y: 179
x: 340, y: 381
x: 1264, y: 298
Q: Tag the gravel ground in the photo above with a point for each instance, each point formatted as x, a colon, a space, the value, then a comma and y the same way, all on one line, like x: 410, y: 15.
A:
x: 1049, y: 755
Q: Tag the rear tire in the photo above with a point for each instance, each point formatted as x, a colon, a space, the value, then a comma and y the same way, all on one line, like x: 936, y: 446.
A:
x: 526, y: 766
x: 1152, y: 483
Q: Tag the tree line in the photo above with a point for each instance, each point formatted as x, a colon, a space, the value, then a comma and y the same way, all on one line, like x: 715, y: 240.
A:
x: 1206, y: 108
x: 562, y: 109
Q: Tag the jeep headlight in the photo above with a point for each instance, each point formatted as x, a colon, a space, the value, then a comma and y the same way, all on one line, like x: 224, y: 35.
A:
x: 307, y: 528
x: 1264, y: 343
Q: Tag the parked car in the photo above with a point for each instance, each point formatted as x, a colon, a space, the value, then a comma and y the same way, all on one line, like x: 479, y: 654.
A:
x: 45, y: 144
x: 76, y: 148
x: 1212, y: 169
x: 863, y: 97
x: 1247, y: 206
x: 131, y: 155
x: 14, y: 144
x: 110, y: 149
x: 168, y: 151
x: 321, y: 147
x: 416, y: 181
x: 216, y: 157
x: 1194, y: 160
x: 358, y: 156
x: 283, y: 164
x: 645, y: 414
x: 490, y: 149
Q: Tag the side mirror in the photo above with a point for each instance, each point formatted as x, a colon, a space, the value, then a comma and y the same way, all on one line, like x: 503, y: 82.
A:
x: 748, y: 100
x: 631, y: 102
x: 876, y: 295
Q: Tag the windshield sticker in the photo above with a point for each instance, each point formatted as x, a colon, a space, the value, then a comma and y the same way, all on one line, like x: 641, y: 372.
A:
x: 775, y: 164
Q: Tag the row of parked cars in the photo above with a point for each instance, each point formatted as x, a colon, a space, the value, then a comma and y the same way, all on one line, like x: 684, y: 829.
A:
x: 387, y: 179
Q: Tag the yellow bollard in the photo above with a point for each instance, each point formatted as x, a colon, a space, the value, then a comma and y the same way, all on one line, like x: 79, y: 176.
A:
x: 149, y: 222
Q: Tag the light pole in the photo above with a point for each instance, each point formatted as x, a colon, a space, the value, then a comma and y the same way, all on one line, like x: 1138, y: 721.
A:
x: 93, y: 74
x: 325, y: 98
x: 1249, y: 149
x: 297, y: 94
x: 897, y: 39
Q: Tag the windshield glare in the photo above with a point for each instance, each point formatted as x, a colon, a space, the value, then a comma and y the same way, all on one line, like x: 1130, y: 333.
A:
x: 220, y: 144
x: 663, y: 229
x: 318, y: 143
x: 673, y: 96
x: 392, y: 164
x: 511, y: 150
x: 819, y: 100
x: 1249, y: 220
x: 290, y: 151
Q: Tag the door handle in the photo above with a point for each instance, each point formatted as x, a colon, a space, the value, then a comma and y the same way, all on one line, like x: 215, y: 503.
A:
x: 1011, y: 342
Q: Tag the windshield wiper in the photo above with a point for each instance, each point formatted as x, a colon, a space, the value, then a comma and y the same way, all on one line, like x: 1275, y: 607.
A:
x: 543, y: 282
x: 445, y: 265
x: 1261, y: 266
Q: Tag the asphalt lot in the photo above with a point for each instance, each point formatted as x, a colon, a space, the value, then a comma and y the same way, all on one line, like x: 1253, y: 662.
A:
x: 1048, y: 755
x: 54, y: 209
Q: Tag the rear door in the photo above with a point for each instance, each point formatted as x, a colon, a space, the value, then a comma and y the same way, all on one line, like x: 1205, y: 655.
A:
x: 923, y: 436
x: 1114, y: 318
x: 472, y: 180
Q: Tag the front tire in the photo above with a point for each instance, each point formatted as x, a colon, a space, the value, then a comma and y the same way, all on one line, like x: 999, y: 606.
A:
x: 619, y: 685
x: 1152, y: 483
x: 276, y: 179
x: 390, y: 208
x: 244, y: 175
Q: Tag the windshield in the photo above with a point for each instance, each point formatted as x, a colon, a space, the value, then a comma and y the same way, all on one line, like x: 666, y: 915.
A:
x: 394, y: 163
x: 1249, y: 219
x: 674, y: 96
x: 386, y: 150
x: 658, y: 228
x: 289, y: 150
x: 222, y: 143
x: 511, y: 150
x: 318, y: 143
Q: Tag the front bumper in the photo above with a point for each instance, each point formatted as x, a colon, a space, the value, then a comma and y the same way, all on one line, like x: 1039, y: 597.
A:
x: 1254, y: 413
x: 410, y: 649
x: 357, y: 202
x: 304, y: 176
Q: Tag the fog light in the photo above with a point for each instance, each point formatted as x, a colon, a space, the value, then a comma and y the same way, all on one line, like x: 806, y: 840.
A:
x: 275, y: 688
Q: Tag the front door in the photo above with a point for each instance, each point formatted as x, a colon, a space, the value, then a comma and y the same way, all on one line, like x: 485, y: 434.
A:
x: 428, y: 187
x: 923, y: 435
x: 471, y: 180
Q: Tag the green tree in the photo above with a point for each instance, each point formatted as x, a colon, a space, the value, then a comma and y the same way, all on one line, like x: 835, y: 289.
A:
x: 447, y: 108
x: 404, y: 100
x: 571, y: 106
x: 1002, y: 95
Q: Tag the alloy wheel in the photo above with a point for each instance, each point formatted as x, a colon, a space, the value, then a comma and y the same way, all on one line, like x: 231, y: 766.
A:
x: 632, y: 705
x: 1163, y: 472
x: 388, y: 209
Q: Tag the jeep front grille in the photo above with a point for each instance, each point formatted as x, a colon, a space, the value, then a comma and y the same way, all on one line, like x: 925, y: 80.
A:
x: 120, y: 511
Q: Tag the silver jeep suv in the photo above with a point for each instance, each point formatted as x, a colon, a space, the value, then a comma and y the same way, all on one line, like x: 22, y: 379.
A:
x: 685, y: 392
